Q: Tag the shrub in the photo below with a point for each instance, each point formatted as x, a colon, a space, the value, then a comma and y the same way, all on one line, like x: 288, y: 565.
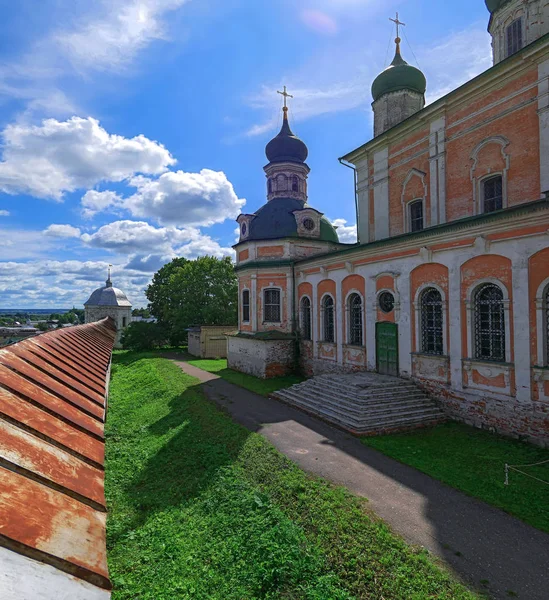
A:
x: 144, y: 336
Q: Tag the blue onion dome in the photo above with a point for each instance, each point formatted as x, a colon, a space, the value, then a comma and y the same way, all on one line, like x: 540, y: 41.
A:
x: 493, y: 5
x: 398, y: 76
x: 286, y: 147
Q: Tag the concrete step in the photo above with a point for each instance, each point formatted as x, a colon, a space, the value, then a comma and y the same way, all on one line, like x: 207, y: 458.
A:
x: 370, y: 408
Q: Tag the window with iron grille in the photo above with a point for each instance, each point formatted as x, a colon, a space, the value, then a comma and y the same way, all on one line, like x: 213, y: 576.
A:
x: 492, y: 194
x: 416, y: 215
x: 305, y: 318
x: 246, y: 306
x: 355, y: 319
x: 271, y: 306
x: 295, y: 184
x: 489, y: 323
x: 514, y: 37
x: 546, y: 298
x: 328, y: 328
x: 432, y: 329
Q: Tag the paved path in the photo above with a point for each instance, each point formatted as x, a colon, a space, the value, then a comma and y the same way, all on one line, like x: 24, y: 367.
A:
x: 479, y: 542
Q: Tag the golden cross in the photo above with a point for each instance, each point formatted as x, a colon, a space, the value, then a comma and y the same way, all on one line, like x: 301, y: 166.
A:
x: 285, y: 94
x: 398, y: 24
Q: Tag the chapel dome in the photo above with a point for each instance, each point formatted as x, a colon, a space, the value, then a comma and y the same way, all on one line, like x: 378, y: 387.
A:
x: 276, y: 220
x: 398, y: 76
x: 286, y: 147
x: 108, y: 296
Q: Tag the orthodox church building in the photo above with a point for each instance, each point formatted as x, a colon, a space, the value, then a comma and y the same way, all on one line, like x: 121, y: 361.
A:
x: 108, y: 301
x: 449, y: 281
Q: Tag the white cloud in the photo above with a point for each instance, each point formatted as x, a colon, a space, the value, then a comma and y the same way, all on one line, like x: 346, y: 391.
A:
x: 16, y: 244
x: 4, y: 213
x: 143, y: 240
x: 319, y: 21
x: 56, y: 157
x: 94, y: 202
x: 62, y: 231
x: 110, y: 39
x: 179, y: 198
x: 346, y: 233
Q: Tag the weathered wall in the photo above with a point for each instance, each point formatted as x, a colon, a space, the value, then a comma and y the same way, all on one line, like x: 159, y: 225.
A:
x: 261, y: 358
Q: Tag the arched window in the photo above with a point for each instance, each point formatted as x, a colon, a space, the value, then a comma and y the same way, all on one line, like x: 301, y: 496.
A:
x: 328, y: 326
x: 514, y: 36
x: 270, y: 186
x: 124, y: 321
x: 271, y: 306
x: 489, y: 322
x: 305, y: 318
x: 354, y: 306
x: 246, y: 306
x: 416, y: 215
x: 281, y: 183
x: 492, y: 194
x: 295, y: 184
x: 432, y: 330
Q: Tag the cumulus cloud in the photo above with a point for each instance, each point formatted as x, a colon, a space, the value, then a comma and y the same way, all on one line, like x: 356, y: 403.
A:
x: 62, y: 231
x: 4, y: 213
x: 56, y: 157
x: 179, y: 198
x: 144, y: 240
x: 346, y: 233
x: 94, y: 202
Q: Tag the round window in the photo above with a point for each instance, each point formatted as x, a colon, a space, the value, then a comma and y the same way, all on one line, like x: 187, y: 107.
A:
x: 386, y: 302
x: 309, y: 224
x: 244, y: 229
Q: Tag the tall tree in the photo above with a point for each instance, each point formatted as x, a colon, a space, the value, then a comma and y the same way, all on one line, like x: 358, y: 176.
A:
x: 194, y: 292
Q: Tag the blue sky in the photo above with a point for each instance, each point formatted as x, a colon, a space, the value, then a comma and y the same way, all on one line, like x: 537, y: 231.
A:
x: 134, y: 130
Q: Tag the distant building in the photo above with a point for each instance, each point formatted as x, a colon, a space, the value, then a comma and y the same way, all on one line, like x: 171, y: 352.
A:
x: 109, y: 301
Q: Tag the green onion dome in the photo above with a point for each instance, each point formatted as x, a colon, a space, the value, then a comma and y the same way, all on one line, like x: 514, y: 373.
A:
x: 399, y: 75
x: 493, y: 5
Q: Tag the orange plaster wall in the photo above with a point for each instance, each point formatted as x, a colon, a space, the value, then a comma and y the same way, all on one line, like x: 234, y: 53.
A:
x: 243, y: 255
x: 476, y: 269
x: 304, y: 289
x: 270, y: 251
x: 538, y: 271
x: 385, y: 282
x: 428, y: 274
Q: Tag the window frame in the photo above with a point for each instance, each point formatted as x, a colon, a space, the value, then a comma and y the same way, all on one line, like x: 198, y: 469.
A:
x: 439, y: 330
x: 514, y: 40
x: 244, y: 304
x: 271, y: 304
x: 355, y: 329
x: 325, y: 325
x: 478, y: 329
x: 483, y: 183
x: 306, y: 331
x: 411, y: 219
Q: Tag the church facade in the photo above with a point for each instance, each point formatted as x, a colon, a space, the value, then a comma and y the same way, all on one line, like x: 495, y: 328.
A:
x: 449, y: 281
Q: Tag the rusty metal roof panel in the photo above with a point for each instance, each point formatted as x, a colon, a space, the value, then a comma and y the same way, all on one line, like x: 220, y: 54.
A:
x: 52, y: 503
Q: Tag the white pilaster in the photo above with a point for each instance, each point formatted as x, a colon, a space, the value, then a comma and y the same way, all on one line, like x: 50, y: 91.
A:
x: 402, y: 290
x: 363, y: 199
x: 381, y: 194
x: 521, y: 329
x: 253, y: 303
x: 454, y: 302
x: 315, y: 319
x: 371, y: 318
x: 437, y: 164
x: 340, y: 309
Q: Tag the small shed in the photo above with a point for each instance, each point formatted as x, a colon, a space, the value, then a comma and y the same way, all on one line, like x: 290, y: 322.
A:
x: 209, y: 341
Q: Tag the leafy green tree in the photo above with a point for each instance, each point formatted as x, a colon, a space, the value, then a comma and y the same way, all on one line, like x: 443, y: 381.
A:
x: 141, y: 312
x: 194, y: 292
x: 140, y: 335
x: 43, y: 326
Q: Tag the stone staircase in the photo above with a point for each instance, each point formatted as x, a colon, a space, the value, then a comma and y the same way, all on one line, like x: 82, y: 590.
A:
x: 364, y: 403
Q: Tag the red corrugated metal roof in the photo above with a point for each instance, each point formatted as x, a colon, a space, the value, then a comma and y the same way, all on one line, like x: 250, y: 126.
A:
x: 52, y: 412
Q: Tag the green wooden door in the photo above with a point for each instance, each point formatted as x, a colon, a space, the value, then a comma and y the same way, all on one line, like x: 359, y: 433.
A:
x: 387, y: 348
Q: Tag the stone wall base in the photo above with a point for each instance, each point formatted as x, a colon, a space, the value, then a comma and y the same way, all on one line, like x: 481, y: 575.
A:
x: 527, y: 421
x: 262, y: 358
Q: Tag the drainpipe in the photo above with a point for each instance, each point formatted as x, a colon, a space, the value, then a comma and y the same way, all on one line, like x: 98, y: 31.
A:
x: 355, y: 176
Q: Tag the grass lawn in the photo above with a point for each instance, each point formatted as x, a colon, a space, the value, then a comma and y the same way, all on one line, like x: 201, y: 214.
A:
x: 254, y: 384
x: 202, y: 509
x: 473, y: 461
